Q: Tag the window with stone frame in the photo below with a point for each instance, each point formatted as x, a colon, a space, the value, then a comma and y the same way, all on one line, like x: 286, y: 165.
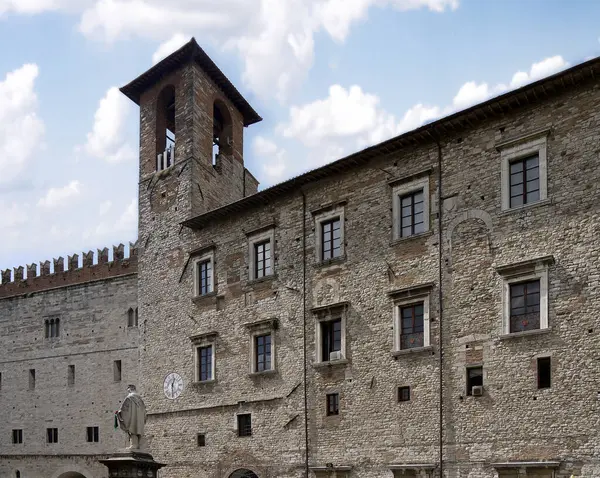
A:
x: 244, y: 424
x: 412, y: 326
x: 474, y: 378
x: 412, y: 219
x: 261, y: 258
x: 525, y: 295
x: 524, y: 181
x: 329, y: 232
x: 204, y: 272
x: 331, y: 338
x: 410, y: 207
x: 262, y: 354
x: 525, y: 306
x: 205, y: 363
x: 331, y: 239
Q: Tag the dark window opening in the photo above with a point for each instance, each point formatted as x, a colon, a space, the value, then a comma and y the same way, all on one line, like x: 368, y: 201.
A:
x: 525, y: 181
x: 52, y: 435
x: 403, y: 394
x: 31, y: 378
x: 201, y: 439
x: 222, y: 131
x: 333, y: 404
x: 165, y: 129
x: 52, y: 328
x: 204, y: 277
x: 130, y: 318
x: 136, y: 317
x: 244, y: 423
x: 331, y: 239
x: 474, y: 378
x: 71, y: 375
x: 17, y: 474
x: 17, y: 437
x: 544, y: 372
x: 331, y: 338
x: 525, y: 306
x: 412, y: 215
x: 412, y: 326
x: 263, y: 352
x: 262, y: 259
x: 117, y: 371
x: 205, y: 363
x: 93, y: 434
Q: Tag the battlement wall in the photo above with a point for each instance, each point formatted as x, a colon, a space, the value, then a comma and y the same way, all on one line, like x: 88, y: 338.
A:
x: 76, y: 273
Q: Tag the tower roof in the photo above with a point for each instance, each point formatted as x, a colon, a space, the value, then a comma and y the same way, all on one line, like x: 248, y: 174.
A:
x: 191, y: 51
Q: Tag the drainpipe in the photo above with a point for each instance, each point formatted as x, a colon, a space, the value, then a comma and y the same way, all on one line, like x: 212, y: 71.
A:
x: 306, y: 466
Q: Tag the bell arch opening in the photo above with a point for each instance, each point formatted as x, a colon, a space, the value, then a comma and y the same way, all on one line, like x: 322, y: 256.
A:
x: 243, y: 473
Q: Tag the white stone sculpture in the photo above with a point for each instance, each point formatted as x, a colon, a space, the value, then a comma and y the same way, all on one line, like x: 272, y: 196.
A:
x: 132, y: 417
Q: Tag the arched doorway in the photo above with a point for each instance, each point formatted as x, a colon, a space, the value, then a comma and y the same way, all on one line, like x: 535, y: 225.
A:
x: 71, y: 474
x: 242, y: 473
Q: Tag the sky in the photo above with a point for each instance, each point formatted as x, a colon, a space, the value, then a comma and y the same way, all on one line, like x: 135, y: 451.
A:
x: 329, y: 77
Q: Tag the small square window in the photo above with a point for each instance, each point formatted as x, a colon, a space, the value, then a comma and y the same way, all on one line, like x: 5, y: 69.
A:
x: 17, y: 437
x: 117, y: 371
x: 201, y: 439
x: 403, y: 394
x: 93, y: 434
x: 333, y: 404
x: 331, y: 338
x: 52, y: 435
x: 544, y: 372
x: 244, y: 424
x: 474, y: 378
x: 205, y: 363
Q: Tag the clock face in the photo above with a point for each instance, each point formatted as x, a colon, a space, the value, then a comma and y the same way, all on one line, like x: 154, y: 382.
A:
x: 173, y: 385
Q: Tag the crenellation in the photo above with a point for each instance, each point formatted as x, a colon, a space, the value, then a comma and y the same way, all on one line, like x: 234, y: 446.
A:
x: 18, y: 284
x: 133, y: 252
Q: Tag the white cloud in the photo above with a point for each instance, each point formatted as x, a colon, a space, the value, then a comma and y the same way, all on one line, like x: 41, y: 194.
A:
x: 273, y: 159
x: 107, y: 140
x: 116, y: 227
x: 59, y: 196
x: 539, y: 70
x: 169, y: 46
x: 21, y: 130
x: 104, y: 207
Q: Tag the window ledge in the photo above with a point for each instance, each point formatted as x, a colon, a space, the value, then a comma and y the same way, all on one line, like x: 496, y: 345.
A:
x: 198, y: 299
x: 524, y: 207
x: 414, y: 350
x: 331, y: 262
x: 264, y: 373
x: 261, y: 279
x: 198, y: 383
x: 400, y: 240
x: 526, y: 333
x: 330, y: 363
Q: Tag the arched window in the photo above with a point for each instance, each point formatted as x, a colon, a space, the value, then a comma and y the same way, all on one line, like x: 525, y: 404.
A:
x: 165, y: 128
x: 51, y: 328
x: 47, y: 328
x: 17, y: 474
x: 136, y: 317
x: 222, y: 131
x: 130, y: 318
x: 242, y: 473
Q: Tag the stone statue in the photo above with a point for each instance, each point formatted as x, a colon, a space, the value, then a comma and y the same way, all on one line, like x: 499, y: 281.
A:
x: 132, y: 417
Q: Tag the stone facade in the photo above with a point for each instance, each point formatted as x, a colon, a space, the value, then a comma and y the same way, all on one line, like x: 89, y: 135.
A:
x: 513, y: 429
x: 92, y: 304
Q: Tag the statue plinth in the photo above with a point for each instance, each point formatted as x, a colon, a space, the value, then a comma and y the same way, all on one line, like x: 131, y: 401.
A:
x: 131, y: 463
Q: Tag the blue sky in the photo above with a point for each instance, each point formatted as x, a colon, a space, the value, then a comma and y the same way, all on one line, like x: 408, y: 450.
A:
x: 328, y: 76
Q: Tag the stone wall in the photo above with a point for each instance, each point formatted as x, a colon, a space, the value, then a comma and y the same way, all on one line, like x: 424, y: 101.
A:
x: 512, y: 421
x: 94, y: 333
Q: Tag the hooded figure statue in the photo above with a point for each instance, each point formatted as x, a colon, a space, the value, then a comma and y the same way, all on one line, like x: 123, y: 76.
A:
x: 132, y: 417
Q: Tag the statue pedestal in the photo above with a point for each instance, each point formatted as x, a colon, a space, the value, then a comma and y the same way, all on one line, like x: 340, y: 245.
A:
x: 129, y: 464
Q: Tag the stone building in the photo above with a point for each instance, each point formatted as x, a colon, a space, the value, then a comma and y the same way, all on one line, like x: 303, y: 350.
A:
x: 426, y: 305
x: 69, y: 348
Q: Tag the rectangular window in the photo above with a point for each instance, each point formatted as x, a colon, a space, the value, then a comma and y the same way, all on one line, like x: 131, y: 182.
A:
x: 331, y: 338
x: 204, y: 277
x: 205, y: 363
x: 17, y: 437
x: 117, y: 370
x: 263, y: 352
x: 403, y: 394
x: 525, y: 181
x: 31, y: 378
x: 201, y: 439
x: 412, y: 216
x: 333, y: 404
x: 71, y: 375
x: 244, y: 424
x: 331, y: 239
x: 93, y: 435
x: 51, y: 435
x: 262, y: 259
x: 525, y: 306
x: 474, y: 378
x: 412, y: 326
x: 544, y: 372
